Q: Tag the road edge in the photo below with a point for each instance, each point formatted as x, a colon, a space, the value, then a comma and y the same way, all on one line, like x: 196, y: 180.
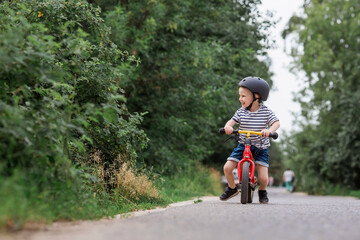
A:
x: 160, y: 209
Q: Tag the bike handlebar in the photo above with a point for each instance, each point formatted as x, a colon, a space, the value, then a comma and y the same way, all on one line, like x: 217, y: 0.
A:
x: 273, y: 135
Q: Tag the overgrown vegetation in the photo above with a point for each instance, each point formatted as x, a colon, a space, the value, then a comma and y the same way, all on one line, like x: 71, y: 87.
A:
x: 325, y: 154
x: 193, y: 55
x: 195, y: 181
x: 60, y: 103
x: 86, y: 86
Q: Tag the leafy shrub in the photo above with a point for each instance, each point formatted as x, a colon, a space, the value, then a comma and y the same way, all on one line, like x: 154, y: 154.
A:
x: 59, y: 99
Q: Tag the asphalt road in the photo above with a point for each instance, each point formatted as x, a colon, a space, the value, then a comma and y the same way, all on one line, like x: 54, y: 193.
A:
x: 287, y: 216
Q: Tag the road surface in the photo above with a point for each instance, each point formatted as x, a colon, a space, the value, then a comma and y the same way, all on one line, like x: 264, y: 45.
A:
x: 287, y: 216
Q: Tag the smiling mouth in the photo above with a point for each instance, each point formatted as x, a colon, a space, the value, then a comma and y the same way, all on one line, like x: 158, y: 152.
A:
x: 244, y: 105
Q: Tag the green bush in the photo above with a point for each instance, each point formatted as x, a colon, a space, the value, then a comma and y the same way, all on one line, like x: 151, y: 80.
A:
x: 59, y: 102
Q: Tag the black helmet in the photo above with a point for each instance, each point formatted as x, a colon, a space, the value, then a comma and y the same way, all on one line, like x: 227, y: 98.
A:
x: 256, y: 85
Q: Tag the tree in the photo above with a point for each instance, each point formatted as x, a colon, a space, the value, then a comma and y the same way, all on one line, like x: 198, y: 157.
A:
x: 193, y: 54
x: 326, y: 151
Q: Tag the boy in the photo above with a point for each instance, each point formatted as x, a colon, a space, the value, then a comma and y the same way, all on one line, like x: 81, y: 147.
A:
x: 254, y: 116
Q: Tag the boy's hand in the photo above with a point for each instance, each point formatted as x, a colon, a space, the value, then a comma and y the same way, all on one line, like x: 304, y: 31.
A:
x: 265, y: 133
x: 228, y: 130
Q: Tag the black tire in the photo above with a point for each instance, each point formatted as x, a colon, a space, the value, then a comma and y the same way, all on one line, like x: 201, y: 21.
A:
x: 245, y: 188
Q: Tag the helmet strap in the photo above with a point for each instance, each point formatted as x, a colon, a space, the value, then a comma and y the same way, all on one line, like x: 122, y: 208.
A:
x: 254, y: 99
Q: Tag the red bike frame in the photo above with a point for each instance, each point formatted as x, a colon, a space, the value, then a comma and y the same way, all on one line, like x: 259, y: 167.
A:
x: 247, y: 157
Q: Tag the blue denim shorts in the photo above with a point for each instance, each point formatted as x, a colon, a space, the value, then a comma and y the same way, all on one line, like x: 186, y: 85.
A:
x: 261, y: 156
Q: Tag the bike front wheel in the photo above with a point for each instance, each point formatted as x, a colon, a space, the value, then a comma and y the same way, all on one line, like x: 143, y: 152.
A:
x: 245, y: 187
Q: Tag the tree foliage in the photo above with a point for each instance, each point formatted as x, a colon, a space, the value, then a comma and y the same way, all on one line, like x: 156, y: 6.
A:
x: 326, y: 150
x: 82, y: 81
x: 193, y: 54
x: 60, y: 101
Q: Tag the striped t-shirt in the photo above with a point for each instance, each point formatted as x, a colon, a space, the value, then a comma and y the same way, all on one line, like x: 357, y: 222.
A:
x: 263, y: 118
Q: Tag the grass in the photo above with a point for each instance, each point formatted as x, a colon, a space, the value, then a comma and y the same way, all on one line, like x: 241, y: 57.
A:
x: 195, y: 182
x: 355, y: 193
x: 340, y: 190
x: 22, y: 206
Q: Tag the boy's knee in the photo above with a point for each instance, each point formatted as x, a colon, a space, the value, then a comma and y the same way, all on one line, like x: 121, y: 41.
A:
x: 263, y: 179
x: 228, y: 168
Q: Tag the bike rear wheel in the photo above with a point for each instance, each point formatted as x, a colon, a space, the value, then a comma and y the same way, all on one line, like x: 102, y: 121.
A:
x: 245, y: 187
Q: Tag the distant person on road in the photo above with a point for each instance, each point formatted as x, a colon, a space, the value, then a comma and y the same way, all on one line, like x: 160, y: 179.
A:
x: 254, y: 116
x: 288, y: 179
x: 271, y: 181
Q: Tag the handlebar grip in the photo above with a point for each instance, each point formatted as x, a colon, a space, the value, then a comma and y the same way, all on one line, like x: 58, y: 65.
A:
x: 274, y: 135
x: 222, y: 131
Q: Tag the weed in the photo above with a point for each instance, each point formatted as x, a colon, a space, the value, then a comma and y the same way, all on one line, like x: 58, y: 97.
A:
x: 120, y: 178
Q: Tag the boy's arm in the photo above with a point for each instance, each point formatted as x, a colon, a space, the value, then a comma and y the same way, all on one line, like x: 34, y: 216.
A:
x: 275, y: 126
x: 229, y: 127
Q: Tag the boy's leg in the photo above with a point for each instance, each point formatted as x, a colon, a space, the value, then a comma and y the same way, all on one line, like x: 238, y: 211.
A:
x: 231, y: 190
x: 228, y: 171
x: 263, y: 176
x: 263, y: 180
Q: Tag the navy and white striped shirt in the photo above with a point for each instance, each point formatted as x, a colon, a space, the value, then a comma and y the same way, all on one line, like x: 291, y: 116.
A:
x: 263, y: 118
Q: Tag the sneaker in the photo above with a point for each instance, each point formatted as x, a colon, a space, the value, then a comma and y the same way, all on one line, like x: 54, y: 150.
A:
x: 229, y: 193
x: 263, y: 196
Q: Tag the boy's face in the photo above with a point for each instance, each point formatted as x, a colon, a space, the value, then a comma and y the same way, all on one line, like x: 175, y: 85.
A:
x: 246, y: 97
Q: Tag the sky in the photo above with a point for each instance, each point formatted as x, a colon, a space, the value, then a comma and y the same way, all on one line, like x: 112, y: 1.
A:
x: 280, y: 100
